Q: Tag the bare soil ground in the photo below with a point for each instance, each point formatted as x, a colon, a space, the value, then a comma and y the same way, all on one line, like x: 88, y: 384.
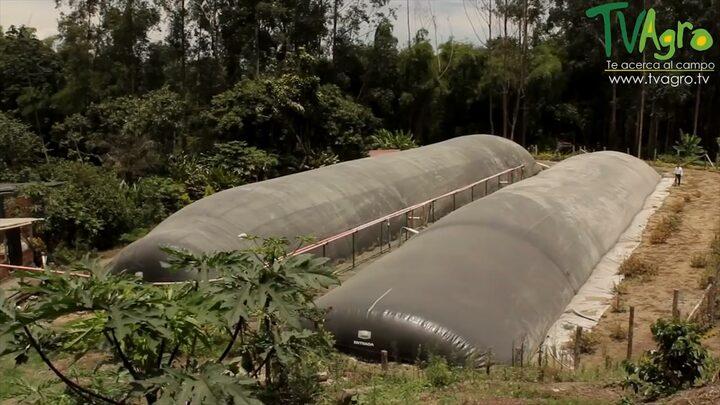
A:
x: 652, y: 296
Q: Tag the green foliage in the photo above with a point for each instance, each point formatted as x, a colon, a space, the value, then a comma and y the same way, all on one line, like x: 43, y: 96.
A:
x: 19, y: 145
x: 677, y: 362
x: 689, y: 148
x: 201, y: 342
x: 226, y: 165
x: 132, y: 135
x: 241, y: 162
x: 438, y: 372
x: 90, y: 208
x: 292, y: 112
x: 384, y: 139
x: 30, y: 74
x: 156, y: 198
x: 211, y: 384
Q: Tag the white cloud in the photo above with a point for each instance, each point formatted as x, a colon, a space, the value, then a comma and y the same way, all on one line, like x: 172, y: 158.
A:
x: 453, y: 18
x: 40, y: 14
x: 450, y: 18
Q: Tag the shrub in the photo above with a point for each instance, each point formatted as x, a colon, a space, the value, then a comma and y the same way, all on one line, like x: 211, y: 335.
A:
x: 715, y: 245
x: 634, y: 266
x: 226, y: 165
x: 665, y: 228
x: 617, y: 332
x: 384, y: 139
x: 678, y: 206
x: 156, y: 198
x: 676, y: 363
x: 698, y: 260
x: 438, y: 372
x: 91, y: 207
x: 19, y: 145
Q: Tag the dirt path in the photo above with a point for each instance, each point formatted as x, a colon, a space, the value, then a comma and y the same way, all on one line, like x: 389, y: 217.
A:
x: 652, y: 296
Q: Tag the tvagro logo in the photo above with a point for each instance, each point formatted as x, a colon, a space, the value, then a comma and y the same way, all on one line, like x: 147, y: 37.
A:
x: 662, y: 46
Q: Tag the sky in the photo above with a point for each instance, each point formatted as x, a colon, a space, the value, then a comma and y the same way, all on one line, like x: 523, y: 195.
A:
x: 451, y: 18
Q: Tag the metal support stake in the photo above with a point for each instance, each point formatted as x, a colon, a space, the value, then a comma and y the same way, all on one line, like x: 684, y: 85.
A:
x: 453, y: 201
x: 389, y: 233
x: 381, y: 238
x: 486, y: 188
x: 323, y: 249
x: 353, y: 248
x: 472, y: 193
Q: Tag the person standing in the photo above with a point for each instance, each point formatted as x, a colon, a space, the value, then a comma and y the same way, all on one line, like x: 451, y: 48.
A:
x: 678, y: 174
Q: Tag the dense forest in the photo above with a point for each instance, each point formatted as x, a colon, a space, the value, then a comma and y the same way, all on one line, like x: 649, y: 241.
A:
x: 242, y: 90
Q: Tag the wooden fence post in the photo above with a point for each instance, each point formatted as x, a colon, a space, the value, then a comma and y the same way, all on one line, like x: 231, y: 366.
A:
x: 631, y: 323
x: 512, y: 354
x: 384, y: 359
x: 711, y: 301
x: 488, y: 362
x: 540, y: 363
x: 576, y: 349
x: 675, y: 310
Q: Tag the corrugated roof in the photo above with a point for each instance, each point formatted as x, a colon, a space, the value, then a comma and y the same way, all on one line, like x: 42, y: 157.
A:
x: 10, y: 223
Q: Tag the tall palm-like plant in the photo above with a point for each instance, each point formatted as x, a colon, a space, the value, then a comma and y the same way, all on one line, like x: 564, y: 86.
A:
x: 689, y: 148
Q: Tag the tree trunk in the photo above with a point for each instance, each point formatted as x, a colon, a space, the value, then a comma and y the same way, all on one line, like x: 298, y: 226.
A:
x: 183, y: 51
x: 612, y: 133
x: 697, y: 110
x: 257, y: 42
x: 505, y: 111
x: 334, y: 28
x: 490, y: 14
x: 407, y: 13
x: 492, y: 124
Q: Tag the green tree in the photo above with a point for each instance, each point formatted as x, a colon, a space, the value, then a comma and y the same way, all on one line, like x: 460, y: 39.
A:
x: 420, y: 91
x: 20, y: 147
x: 30, y: 73
x: 292, y: 113
x: 90, y: 209
x: 133, y: 135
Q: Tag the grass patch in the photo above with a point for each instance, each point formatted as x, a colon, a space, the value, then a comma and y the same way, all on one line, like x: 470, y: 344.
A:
x: 635, y: 267
x: 441, y: 383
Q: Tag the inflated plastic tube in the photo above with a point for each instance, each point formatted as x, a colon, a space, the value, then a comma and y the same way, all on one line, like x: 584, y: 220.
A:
x: 326, y: 201
x: 495, y: 273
